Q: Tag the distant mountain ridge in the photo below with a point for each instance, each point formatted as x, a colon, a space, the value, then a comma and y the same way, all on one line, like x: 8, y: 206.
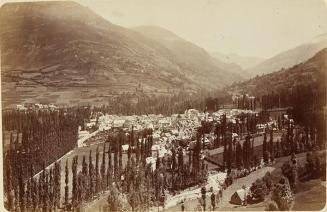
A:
x: 65, y: 53
x: 183, y: 50
x: 290, y: 57
x: 309, y: 73
x: 244, y: 62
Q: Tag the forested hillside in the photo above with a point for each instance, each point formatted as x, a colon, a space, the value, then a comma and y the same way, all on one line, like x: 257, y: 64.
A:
x: 310, y: 73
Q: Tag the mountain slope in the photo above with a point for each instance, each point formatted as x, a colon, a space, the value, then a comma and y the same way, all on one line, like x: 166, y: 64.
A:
x: 310, y: 73
x: 188, y: 55
x: 62, y: 52
x: 291, y: 57
x: 244, y: 62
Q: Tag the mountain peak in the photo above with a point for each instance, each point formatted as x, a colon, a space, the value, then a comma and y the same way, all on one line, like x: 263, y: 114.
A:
x: 68, y: 50
x: 37, y: 5
x: 52, y: 10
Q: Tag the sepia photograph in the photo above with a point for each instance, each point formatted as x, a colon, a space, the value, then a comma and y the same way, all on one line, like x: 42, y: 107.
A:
x: 163, y: 105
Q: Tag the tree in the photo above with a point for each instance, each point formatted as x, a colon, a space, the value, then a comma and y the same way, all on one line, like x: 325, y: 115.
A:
x: 138, y: 197
x: 223, y: 128
x: 317, y: 164
x: 256, y: 161
x: 9, y: 183
x: 180, y: 160
x: 16, y: 197
x: 116, y: 160
x: 217, y: 133
x: 115, y: 201
x: 80, y: 188
x: 10, y: 201
x: 129, y: 151
x: 57, y: 184
x: 103, y: 166
x: 133, y: 199
x: 34, y: 194
x: 109, y: 167
x: 271, y: 143
x: 137, y: 150
x: 189, y: 159
x: 120, y: 150
x: 40, y: 190
x: 74, y: 183
x: 97, y: 177
x: 266, y: 156
x: 158, y: 163
x: 44, y: 134
x: 246, y: 151
x: 264, y: 145
x: 268, y: 180
x: 143, y: 157
x: 289, y: 170
x: 229, y: 155
x: 278, y: 153
x: 21, y: 190
x: 84, y: 166
x: 46, y: 204
x: 51, y: 189
x: 66, y: 187
x: 91, y: 176
x: 238, y: 155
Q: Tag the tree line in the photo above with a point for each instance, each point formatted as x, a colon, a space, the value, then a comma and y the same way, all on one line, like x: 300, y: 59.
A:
x: 37, y: 139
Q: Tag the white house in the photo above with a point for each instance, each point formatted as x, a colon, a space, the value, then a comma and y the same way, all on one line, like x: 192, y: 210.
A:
x: 125, y: 147
x: 118, y: 123
x: 21, y: 107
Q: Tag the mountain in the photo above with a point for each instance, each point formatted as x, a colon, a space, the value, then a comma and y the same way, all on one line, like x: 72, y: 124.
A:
x: 64, y: 53
x: 310, y: 73
x: 238, y: 72
x: 189, y: 55
x: 245, y: 62
x: 290, y: 57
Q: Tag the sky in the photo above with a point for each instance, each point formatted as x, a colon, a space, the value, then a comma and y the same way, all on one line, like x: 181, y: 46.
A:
x: 260, y: 28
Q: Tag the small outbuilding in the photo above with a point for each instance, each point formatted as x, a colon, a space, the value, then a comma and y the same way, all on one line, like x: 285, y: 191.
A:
x: 239, y: 197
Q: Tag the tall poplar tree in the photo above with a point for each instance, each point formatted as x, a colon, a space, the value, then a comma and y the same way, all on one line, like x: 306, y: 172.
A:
x: 103, y: 167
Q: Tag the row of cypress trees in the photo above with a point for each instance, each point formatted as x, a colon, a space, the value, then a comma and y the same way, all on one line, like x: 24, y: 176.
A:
x: 37, y: 139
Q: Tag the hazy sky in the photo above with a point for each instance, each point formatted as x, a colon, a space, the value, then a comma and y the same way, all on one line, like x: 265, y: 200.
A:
x: 260, y: 28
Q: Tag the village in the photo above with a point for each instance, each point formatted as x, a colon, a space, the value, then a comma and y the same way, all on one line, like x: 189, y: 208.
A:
x: 163, y: 105
x: 183, y: 135
x: 223, y: 181
x: 182, y: 129
x: 169, y: 132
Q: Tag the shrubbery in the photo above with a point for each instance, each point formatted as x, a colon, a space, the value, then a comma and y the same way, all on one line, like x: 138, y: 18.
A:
x: 258, y: 190
x: 290, y: 171
x: 261, y: 187
x: 313, y: 165
x: 268, y: 180
x: 283, y: 195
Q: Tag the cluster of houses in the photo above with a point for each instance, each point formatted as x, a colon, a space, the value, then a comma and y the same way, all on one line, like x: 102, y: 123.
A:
x: 37, y: 106
x: 167, y: 130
